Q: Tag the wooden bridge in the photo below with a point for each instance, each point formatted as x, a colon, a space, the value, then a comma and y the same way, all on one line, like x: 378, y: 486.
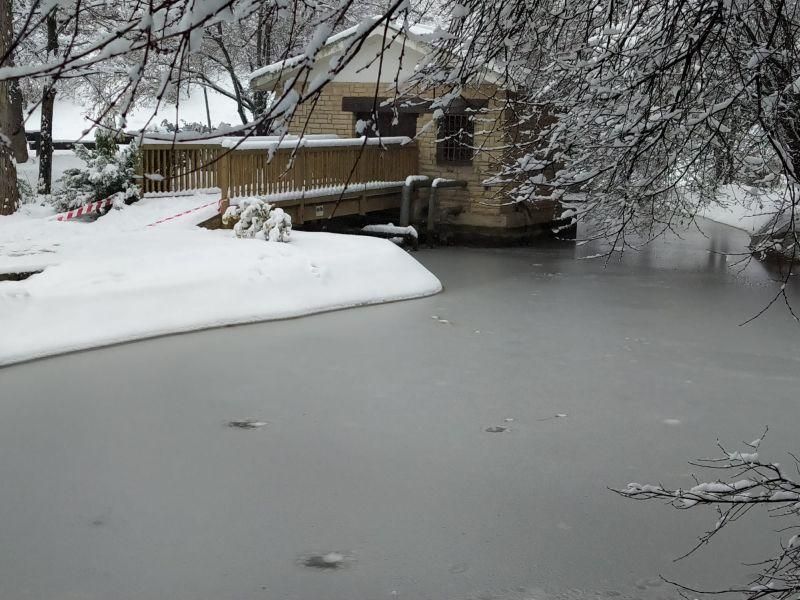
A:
x: 307, y: 177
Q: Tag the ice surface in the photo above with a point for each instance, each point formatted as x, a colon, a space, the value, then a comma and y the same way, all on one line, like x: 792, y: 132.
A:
x: 120, y: 480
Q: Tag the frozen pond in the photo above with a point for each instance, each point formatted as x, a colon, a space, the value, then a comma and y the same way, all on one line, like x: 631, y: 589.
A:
x: 121, y: 479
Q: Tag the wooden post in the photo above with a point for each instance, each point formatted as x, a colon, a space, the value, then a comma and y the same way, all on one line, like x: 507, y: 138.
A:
x: 301, y: 211
x: 300, y: 170
x: 224, y: 174
x: 140, y: 168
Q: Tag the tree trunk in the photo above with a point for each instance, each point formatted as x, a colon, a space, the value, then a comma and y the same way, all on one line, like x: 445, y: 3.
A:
x: 263, y: 47
x: 9, y: 126
x: 19, y: 143
x: 46, y: 124
x: 9, y: 193
x: 208, y: 111
x: 259, y: 108
x: 46, y: 141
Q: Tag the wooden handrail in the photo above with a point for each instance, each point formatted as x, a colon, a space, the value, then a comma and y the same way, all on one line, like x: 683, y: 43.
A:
x: 253, y: 172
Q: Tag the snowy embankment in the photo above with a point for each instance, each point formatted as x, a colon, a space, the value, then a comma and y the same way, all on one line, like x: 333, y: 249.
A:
x: 735, y: 207
x: 120, y: 279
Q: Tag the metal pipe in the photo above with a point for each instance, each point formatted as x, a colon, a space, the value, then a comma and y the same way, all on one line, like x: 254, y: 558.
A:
x: 413, y: 182
x: 438, y: 183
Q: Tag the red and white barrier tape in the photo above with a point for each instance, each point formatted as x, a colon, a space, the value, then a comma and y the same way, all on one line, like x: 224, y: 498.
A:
x: 85, y: 209
x: 186, y: 212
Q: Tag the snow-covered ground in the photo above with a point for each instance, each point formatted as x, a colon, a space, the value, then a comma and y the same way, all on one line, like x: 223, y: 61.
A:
x: 71, y: 118
x: 119, y: 278
x: 737, y: 208
x: 62, y: 160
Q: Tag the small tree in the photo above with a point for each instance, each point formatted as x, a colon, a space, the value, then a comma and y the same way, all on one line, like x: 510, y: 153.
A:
x: 109, y: 172
x: 746, y: 481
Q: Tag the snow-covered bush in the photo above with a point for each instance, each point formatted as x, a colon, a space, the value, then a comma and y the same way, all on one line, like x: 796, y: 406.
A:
x: 109, y: 172
x: 278, y: 226
x: 254, y: 216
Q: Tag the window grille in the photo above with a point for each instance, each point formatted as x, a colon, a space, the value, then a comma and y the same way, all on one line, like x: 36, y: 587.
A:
x: 454, y: 142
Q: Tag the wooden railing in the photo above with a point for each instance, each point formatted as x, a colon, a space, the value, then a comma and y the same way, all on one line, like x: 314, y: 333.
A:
x: 251, y: 171
x: 174, y: 168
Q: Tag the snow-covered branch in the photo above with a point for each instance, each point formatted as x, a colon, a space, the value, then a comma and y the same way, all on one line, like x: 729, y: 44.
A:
x: 744, y: 480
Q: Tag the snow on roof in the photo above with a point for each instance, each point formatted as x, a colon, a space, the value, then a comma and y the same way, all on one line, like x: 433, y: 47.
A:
x: 279, y: 66
x: 423, y: 32
x: 418, y: 29
x: 420, y: 36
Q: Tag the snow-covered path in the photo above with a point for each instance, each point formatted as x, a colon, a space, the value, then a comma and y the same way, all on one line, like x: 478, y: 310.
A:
x: 120, y: 278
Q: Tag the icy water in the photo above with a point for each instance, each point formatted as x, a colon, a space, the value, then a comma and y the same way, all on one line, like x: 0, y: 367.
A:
x: 454, y: 447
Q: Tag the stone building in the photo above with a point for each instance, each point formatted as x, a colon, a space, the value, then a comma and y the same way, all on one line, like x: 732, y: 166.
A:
x: 462, y: 143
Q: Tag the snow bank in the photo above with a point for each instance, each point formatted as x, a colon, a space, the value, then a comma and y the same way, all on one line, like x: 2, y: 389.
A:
x: 117, y: 279
x: 735, y: 207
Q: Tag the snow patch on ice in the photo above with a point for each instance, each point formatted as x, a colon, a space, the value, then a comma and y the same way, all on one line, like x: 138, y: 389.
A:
x: 391, y: 228
x: 116, y: 279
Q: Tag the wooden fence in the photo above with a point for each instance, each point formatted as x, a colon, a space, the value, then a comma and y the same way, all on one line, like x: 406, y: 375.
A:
x: 250, y: 172
x: 168, y: 168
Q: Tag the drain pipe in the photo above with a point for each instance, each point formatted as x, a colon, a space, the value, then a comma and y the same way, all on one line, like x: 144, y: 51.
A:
x: 413, y: 182
x: 437, y: 184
